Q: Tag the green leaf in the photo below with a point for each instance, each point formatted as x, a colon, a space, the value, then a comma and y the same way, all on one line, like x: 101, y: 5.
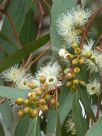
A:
x: 53, y: 124
x: 17, y: 10
x: 96, y: 129
x: 28, y: 31
x: 22, y: 126
x: 5, y: 37
x: 86, y: 103
x: 1, y: 131
x: 65, y: 100
x: 52, y: 121
x: 34, y: 128
x: 23, y: 53
x: 13, y: 93
x: 58, y: 8
x: 6, y: 111
x: 58, y: 128
x: 80, y: 122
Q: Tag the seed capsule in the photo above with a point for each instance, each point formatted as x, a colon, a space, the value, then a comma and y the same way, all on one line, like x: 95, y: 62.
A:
x: 19, y: 101
x: 68, y: 56
x: 53, y: 101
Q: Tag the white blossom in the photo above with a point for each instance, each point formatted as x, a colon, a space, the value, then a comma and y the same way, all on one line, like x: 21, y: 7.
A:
x: 93, y: 88
x: 91, y: 65
x: 14, y: 74
x: 64, y: 24
x: 88, y: 46
x: 70, y: 38
x: 80, y: 16
x: 51, y: 71
x: 23, y: 83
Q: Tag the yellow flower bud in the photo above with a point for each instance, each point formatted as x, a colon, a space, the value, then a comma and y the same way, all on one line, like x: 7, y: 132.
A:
x: 44, y: 108
x: 19, y: 101
x: 33, y: 113
x: 75, y: 61
x: 69, y: 84
x: 26, y: 110
x: 76, y: 70
x: 75, y: 45
x: 21, y: 113
x: 82, y: 83
x: 39, y: 92
x: 75, y: 82
x: 42, y: 101
x: 88, y: 54
x: 77, y: 51
x: 32, y: 85
x: 42, y: 79
x: 69, y: 75
x: 81, y: 60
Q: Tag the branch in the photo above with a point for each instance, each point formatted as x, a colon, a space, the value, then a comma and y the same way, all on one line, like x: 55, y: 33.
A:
x: 88, y: 26
x: 13, y: 28
x: 37, y: 58
x: 3, y: 7
x: 38, y: 34
x: 99, y: 44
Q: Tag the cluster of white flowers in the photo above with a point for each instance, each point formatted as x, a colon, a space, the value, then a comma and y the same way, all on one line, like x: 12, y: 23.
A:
x: 68, y: 23
x: 22, y: 80
x: 51, y: 72
x: 18, y: 76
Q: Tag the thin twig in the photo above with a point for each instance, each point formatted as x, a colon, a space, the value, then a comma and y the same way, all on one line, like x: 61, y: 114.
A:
x: 38, y: 34
x: 99, y: 44
x: 56, y: 95
x: 3, y: 7
x: 37, y: 58
x: 13, y: 28
x: 88, y: 26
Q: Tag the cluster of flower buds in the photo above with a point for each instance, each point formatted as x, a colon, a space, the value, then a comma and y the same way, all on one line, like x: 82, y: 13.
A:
x: 37, y: 101
x: 76, y: 59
